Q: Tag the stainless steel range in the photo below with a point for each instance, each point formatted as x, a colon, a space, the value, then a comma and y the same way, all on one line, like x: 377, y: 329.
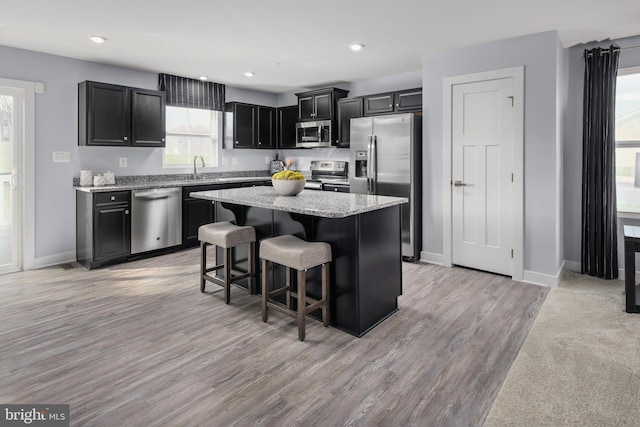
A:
x: 329, y: 175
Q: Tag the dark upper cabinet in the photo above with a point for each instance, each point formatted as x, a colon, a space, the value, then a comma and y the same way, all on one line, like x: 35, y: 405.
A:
x: 250, y: 126
x: 348, y: 108
x: 113, y: 115
x: 287, y: 118
x: 266, y: 127
x: 243, y: 122
x: 378, y: 104
x: 408, y: 100
x: 319, y: 104
x: 393, y: 102
x: 148, y: 127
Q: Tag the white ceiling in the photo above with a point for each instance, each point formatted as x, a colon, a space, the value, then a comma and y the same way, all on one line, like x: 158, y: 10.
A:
x: 294, y: 44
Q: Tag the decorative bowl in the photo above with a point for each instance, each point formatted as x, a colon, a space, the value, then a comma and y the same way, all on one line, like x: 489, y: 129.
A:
x: 288, y: 187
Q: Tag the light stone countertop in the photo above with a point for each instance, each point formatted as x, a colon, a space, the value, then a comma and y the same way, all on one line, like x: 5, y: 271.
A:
x: 326, y: 204
x: 144, y: 184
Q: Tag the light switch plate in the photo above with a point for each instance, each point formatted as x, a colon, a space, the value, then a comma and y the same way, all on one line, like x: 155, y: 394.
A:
x: 234, y: 160
x: 123, y: 162
x: 225, y: 160
x: 61, y: 157
x: 267, y: 160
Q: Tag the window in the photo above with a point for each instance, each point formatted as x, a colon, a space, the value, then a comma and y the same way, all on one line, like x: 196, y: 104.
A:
x: 628, y: 140
x: 192, y: 132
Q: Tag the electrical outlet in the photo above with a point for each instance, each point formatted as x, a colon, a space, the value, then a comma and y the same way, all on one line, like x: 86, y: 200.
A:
x: 123, y: 162
x: 234, y: 160
x: 225, y: 161
x: 267, y: 160
x: 300, y: 161
x: 61, y: 157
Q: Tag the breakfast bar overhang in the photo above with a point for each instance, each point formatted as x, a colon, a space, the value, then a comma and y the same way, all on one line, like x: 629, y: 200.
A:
x: 365, y: 237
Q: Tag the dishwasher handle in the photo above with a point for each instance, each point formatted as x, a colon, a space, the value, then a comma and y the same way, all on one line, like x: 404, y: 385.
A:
x: 154, y: 194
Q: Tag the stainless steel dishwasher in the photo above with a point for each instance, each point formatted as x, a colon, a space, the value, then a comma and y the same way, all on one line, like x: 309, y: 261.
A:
x: 156, y: 219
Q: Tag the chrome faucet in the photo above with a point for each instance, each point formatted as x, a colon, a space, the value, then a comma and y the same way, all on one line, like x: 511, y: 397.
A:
x: 195, y: 172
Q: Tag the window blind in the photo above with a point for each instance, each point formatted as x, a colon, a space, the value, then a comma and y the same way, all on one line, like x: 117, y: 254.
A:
x: 191, y: 93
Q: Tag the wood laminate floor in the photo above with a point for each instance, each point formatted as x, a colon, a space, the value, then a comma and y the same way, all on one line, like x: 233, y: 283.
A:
x: 137, y: 344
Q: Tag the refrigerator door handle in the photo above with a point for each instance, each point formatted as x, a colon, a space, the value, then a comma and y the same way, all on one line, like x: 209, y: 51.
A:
x: 369, y: 164
x: 374, y: 164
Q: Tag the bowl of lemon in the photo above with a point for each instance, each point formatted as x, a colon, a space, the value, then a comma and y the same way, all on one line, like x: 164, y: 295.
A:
x: 288, y: 182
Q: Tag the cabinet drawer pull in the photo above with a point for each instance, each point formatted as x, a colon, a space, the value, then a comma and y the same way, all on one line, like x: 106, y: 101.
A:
x: 125, y: 138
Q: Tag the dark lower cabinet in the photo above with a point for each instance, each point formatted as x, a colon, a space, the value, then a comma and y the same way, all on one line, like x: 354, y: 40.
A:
x: 103, y: 228
x: 366, y: 270
x: 197, y: 212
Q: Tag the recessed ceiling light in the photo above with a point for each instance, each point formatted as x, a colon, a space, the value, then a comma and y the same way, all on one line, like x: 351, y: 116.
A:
x: 249, y: 74
x: 356, y: 46
x: 98, y: 39
x: 203, y: 78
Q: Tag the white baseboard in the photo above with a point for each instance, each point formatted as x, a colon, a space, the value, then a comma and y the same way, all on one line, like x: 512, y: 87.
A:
x: 432, y: 258
x: 54, y: 259
x: 542, y: 279
x: 573, y: 266
x: 576, y: 267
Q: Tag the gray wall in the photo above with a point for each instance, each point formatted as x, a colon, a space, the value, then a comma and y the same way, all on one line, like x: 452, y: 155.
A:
x: 56, y: 130
x: 573, y: 147
x: 538, y: 53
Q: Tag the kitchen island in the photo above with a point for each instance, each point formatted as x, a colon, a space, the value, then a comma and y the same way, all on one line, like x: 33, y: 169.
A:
x: 365, y: 237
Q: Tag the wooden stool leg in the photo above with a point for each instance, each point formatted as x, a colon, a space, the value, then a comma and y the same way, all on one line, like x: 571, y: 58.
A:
x: 302, y: 304
x: 325, y: 294
x: 203, y: 264
x: 287, y: 283
x: 265, y: 291
x: 226, y: 259
x: 250, y: 266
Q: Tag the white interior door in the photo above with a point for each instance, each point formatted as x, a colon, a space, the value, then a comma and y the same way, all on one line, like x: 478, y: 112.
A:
x: 482, y: 175
x: 11, y: 138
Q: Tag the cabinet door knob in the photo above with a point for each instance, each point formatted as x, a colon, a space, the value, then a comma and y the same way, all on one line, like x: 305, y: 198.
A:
x: 125, y: 138
x: 162, y: 139
x: 397, y: 105
x: 126, y: 211
x: 390, y: 105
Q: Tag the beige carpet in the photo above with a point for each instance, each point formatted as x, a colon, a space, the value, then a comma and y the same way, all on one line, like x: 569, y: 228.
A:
x: 580, y: 363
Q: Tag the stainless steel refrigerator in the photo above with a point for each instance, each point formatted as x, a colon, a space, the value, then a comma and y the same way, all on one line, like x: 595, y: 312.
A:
x: 386, y: 159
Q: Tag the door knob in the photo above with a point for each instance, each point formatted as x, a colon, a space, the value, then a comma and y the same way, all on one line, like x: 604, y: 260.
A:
x: 459, y: 183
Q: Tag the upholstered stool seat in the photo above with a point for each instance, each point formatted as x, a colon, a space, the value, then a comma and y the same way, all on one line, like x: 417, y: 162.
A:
x: 300, y: 255
x: 226, y: 236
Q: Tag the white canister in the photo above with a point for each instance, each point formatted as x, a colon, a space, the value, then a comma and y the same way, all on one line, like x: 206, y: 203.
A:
x: 86, y: 177
x: 98, y: 181
x: 109, y: 178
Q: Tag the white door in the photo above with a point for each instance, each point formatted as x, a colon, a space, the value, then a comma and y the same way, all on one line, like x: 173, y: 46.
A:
x: 482, y: 175
x: 11, y: 138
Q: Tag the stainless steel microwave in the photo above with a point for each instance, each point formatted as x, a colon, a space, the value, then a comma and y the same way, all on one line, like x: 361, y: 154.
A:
x: 313, y: 134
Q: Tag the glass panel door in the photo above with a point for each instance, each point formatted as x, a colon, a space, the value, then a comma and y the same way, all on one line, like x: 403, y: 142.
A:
x: 11, y: 111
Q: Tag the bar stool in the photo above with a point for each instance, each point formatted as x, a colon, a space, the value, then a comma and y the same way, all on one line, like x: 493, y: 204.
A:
x: 300, y: 255
x: 226, y: 236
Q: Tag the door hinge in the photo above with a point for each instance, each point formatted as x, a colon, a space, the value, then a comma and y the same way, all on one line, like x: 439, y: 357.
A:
x: 511, y: 253
x: 511, y: 97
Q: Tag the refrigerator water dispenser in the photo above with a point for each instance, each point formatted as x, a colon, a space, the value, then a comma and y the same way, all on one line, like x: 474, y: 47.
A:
x: 361, y: 164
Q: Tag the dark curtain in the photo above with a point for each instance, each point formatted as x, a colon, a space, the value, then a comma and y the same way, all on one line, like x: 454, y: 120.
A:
x: 191, y: 93
x: 599, y: 224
